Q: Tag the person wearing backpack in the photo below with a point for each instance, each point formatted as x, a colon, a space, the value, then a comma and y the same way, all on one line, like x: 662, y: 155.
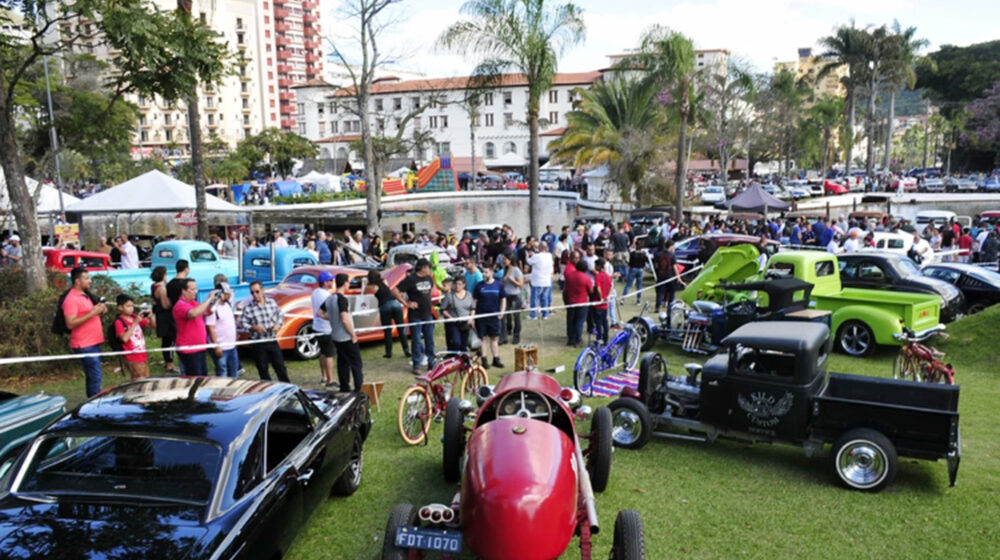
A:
x: 127, y: 335
x: 82, y: 316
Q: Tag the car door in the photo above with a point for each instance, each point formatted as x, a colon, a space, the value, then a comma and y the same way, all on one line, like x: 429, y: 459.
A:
x: 872, y: 275
x: 323, y: 452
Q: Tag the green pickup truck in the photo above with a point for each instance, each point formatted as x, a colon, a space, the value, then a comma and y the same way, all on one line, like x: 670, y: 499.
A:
x: 860, y: 318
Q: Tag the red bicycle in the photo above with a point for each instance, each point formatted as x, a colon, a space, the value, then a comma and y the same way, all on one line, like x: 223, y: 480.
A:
x: 427, y: 398
x: 919, y: 362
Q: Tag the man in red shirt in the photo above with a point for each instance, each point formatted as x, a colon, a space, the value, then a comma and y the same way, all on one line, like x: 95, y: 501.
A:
x: 83, y: 320
x: 602, y: 289
x: 188, y: 314
x: 577, y: 291
x: 965, y: 244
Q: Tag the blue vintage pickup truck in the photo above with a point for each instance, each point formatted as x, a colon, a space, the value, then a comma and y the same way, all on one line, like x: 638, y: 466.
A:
x: 205, y: 263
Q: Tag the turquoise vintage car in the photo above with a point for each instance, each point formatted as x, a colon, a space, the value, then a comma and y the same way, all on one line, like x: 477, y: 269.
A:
x: 21, y: 418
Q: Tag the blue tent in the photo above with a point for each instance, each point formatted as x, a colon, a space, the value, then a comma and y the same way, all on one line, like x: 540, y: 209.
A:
x: 239, y: 192
x: 288, y: 188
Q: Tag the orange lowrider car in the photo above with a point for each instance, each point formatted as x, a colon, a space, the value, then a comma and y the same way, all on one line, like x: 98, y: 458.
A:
x: 294, y: 295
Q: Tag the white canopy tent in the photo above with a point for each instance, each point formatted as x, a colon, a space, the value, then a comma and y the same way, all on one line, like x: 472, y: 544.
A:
x: 323, y: 182
x: 149, y: 192
x: 509, y: 159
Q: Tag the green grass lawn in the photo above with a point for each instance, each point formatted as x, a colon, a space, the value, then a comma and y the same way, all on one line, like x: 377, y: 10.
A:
x: 701, y: 500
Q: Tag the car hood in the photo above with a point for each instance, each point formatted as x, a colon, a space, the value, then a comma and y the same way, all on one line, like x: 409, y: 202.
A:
x: 92, y: 531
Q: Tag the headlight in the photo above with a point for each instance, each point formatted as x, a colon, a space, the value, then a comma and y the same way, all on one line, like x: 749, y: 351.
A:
x: 663, y: 316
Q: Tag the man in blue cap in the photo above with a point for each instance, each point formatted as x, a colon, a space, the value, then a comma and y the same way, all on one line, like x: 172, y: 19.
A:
x: 321, y: 326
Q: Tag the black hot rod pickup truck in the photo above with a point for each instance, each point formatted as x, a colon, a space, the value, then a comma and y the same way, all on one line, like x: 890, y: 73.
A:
x: 770, y: 384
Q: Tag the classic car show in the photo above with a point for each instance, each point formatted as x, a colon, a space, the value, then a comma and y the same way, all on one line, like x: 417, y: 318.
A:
x: 499, y: 280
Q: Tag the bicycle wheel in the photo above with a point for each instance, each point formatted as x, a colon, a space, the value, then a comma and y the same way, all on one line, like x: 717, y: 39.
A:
x: 905, y: 367
x: 633, y: 347
x: 585, y: 372
x: 414, y: 417
x: 472, y: 379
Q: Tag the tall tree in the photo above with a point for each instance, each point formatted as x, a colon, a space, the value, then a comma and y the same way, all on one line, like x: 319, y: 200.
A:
x: 666, y: 58
x: 368, y: 19
x: 277, y: 149
x: 983, y: 126
x: 900, y: 72
x: 846, y: 47
x: 878, y: 47
x: 617, y: 122
x: 523, y: 36
x: 784, y: 99
x: 729, y: 100
x: 826, y: 113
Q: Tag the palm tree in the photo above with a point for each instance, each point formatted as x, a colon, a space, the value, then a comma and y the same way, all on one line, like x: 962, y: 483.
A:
x: 617, y: 123
x: 729, y: 98
x: 901, y: 72
x: 784, y: 98
x: 667, y: 60
x: 846, y: 47
x: 825, y: 114
x: 524, y: 36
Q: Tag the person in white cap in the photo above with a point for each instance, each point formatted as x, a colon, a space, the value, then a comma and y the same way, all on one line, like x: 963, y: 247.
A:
x: 12, y: 250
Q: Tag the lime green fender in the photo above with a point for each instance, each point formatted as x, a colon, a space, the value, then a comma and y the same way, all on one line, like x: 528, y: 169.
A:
x: 883, y: 323
x: 732, y: 264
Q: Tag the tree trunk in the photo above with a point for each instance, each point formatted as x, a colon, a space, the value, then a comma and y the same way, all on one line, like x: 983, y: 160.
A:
x: 851, y: 121
x: 681, y: 177
x: 927, y: 130
x: 870, y: 155
x: 197, y: 164
x: 826, y: 150
x: 888, y: 130
x: 472, y: 144
x: 372, y: 210
x: 21, y: 202
x: 533, y: 209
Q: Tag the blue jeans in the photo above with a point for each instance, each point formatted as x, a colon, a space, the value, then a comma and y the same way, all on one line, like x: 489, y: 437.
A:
x: 613, y: 306
x: 193, y: 363
x: 576, y: 317
x: 541, y: 297
x: 634, y: 276
x: 600, y: 319
x: 91, y: 368
x: 228, y: 364
x: 422, y: 334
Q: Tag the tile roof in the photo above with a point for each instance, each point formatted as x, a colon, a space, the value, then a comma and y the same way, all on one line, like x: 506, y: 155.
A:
x: 554, y: 132
x: 438, y: 84
x: 315, y: 82
x: 342, y: 138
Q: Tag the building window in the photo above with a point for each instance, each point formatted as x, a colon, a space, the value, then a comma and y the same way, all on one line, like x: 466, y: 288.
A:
x: 142, y: 120
x: 489, y: 119
x: 166, y: 119
x: 144, y: 136
x: 142, y: 101
x: 246, y: 133
x: 432, y: 122
x: 334, y: 127
x: 508, y: 119
x: 490, y: 150
x: 243, y: 87
x: 380, y: 125
x: 416, y: 102
x: 509, y: 148
x: 169, y: 135
x: 322, y: 129
x: 397, y: 103
x: 399, y: 123
x: 488, y: 99
x: 246, y: 103
x: 302, y: 129
x: 553, y: 96
x: 444, y: 121
x: 443, y: 148
x: 301, y: 108
x: 239, y: 23
x: 378, y: 105
x: 239, y: 38
x: 211, y: 119
x: 508, y: 98
x: 553, y: 117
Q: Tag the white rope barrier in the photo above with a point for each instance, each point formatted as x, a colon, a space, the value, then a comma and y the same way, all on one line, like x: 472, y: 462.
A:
x: 210, y: 346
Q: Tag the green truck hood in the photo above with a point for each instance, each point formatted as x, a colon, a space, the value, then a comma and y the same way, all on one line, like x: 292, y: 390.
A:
x: 729, y: 264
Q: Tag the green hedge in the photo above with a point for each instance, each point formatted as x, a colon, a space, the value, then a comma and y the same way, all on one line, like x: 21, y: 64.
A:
x: 318, y: 197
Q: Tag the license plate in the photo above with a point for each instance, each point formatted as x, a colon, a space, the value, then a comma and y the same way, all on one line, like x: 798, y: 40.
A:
x: 441, y: 540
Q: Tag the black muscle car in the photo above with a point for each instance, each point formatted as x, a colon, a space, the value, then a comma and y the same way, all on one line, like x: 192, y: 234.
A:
x: 182, y: 468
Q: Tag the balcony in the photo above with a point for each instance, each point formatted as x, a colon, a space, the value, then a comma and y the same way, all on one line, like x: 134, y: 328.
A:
x: 282, y: 41
x: 242, y: 46
x: 312, y: 72
x: 282, y: 27
x: 288, y: 123
x: 280, y: 2
x: 284, y: 68
x: 310, y: 18
x: 308, y: 5
x: 247, y: 109
x: 312, y: 44
x: 311, y: 30
x: 212, y: 108
x: 286, y: 96
x: 312, y: 58
x: 285, y: 82
x: 281, y: 13
x: 283, y: 55
x: 245, y: 93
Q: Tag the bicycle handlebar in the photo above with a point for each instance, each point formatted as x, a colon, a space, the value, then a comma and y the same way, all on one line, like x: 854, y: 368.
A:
x: 909, y: 336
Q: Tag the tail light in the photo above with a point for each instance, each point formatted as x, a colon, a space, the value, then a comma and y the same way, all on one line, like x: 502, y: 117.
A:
x: 425, y: 513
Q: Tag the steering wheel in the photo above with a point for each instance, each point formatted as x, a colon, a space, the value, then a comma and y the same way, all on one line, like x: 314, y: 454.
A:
x: 516, y: 406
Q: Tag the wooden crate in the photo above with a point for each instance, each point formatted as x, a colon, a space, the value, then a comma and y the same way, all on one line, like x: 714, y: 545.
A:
x: 525, y: 355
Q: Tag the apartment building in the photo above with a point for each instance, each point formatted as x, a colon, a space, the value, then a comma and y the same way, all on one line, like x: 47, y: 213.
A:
x: 277, y: 44
x: 807, y: 67
x: 439, y: 109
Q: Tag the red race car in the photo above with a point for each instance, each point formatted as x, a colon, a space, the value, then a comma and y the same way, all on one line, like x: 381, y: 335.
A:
x: 527, y: 483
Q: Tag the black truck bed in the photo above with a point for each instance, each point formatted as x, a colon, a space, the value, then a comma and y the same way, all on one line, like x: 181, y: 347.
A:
x: 921, y: 419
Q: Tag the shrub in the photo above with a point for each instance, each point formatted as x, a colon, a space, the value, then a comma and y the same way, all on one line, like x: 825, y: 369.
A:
x: 318, y: 197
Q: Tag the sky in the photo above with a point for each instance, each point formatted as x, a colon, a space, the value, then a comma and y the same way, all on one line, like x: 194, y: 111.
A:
x: 760, y: 32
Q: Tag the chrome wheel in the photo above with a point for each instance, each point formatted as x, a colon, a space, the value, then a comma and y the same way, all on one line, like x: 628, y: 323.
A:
x: 633, y: 346
x: 862, y: 464
x: 586, y: 372
x: 626, y: 429
x: 356, y: 465
x: 306, y: 345
x: 856, y: 339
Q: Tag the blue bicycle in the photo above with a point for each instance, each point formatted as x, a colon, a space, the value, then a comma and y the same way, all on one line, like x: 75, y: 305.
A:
x: 621, y: 351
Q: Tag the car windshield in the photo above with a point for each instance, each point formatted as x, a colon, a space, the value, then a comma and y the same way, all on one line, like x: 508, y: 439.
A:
x: 715, y: 190
x: 121, y: 466
x: 907, y: 268
x: 986, y: 275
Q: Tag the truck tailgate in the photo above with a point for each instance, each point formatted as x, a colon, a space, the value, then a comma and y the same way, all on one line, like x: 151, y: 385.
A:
x: 921, y: 419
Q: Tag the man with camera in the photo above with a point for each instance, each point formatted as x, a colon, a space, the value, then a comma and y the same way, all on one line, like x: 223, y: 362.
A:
x: 220, y: 322
x: 83, y: 321
x: 262, y: 318
x: 189, y: 316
